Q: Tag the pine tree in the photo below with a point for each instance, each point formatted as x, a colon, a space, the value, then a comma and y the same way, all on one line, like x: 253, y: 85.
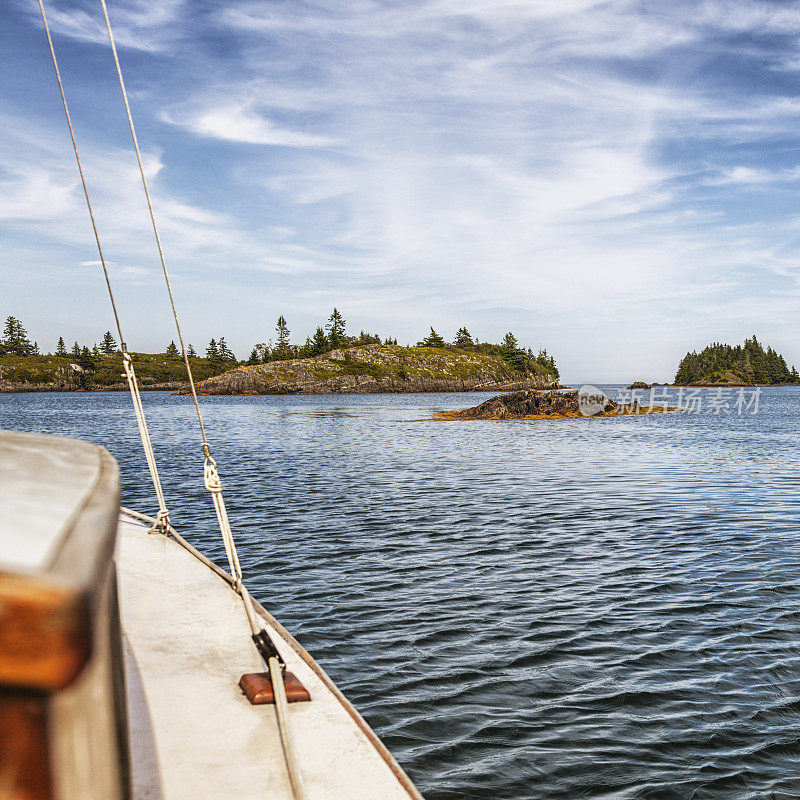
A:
x: 463, y: 338
x: 61, y: 348
x: 432, y: 340
x: 87, y: 359
x: 336, y: 330
x: 260, y: 354
x: 283, y: 348
x: 749, y: 362
x: 108, y: 344
x: 212, y: 351
x: 76, y: 350
x: 15, y: 339
x: 172, y: 350
x: 319, y: 343
x: 510, y: 342
x: 190, y: 352
x: 225, y: 354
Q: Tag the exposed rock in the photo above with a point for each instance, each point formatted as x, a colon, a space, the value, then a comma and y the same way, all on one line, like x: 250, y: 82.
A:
x: 641, y: 385
x: 528, y: 404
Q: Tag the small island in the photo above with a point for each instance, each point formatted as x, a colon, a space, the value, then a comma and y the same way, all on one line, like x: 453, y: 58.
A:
x: 743, y: 365
x: 549, y: 405
x: 329, y: 362
x: 385, y: 369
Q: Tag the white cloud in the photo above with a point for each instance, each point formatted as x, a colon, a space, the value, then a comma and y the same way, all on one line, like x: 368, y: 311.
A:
x: 753, y: 176
x: 566, y: 168
x: 240, y: 122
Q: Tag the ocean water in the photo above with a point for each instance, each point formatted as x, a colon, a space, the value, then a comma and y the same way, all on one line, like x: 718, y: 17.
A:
x: 570, y: 609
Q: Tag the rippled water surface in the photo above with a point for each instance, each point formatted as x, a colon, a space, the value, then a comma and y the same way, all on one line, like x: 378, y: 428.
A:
x: 575, y: 609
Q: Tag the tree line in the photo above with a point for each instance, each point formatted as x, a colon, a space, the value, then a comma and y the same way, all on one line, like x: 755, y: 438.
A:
x: 15, y: 341
x: 330, y: 336
x: 520, y: 358
x: 333, y: 336
x: 750, y: 361
x: 326, y: 338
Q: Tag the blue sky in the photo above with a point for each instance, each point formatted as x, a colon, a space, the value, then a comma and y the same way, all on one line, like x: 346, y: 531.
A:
x: 616, y: 181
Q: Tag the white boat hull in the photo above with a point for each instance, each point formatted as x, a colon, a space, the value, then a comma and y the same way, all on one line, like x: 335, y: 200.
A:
x: 193, y: 733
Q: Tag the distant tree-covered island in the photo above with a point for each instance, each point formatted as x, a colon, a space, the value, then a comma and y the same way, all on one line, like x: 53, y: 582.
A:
x: 741, y: 365
x: 330, y: 351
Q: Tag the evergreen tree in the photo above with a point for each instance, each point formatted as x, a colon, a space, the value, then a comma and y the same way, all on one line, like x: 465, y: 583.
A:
x: 95, y: 351
x: 283, y: 347
x: 76, y: 350
x: 108, y: 344
x: 172, y: 350
x: 365, y: 337
x: 336, y: 330
x: 212, y: 351
x: 87, y: 359
x: 260, y: 354
x: 61, y: 348
x: 15, y: 339
x: 225, y: 354
x: 432, y: 340
x: 749, y: 363
x: 190, y: 352
x: 463, y: 338
x: 510, y: 342
x: 318, y: 344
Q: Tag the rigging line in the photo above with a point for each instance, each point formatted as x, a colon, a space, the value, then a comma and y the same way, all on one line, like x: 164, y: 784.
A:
x: 211, y: 477
x: 155, y: 226
x: 210, y: 474
x: 133, y: 385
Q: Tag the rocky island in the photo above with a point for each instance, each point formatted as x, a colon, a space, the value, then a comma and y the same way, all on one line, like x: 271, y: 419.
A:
x: 330, y: 362
x: 551, y: 404
x: 382, y: 368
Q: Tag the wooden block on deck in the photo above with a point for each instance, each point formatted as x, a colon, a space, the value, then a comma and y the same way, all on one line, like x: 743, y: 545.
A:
x: 257, y: 687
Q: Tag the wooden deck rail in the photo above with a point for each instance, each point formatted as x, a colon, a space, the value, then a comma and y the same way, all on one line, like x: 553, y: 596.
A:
x: 63, y: 733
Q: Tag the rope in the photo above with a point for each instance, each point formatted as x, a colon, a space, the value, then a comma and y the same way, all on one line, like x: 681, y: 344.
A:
x: 211, y: 478
x: 162, y: 519
x: 210, y: 474
x: 281, y: 712
x: 153, y: 220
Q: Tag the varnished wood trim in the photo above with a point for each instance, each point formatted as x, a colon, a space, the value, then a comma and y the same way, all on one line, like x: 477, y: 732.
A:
x: 47, y: 618
x: 45, y: 633
x: 24, y: 767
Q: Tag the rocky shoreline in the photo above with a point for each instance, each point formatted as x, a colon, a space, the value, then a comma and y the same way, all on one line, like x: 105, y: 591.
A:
x: 25, y: 387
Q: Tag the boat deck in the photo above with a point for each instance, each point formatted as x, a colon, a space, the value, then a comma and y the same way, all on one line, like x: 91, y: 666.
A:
x: 193, y: 733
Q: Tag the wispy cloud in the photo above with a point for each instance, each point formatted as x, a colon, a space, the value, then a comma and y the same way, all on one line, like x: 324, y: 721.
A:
x: 755, y: 176
x: 581, y: 171
x: 241, y: 122
x: 147, y: 25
